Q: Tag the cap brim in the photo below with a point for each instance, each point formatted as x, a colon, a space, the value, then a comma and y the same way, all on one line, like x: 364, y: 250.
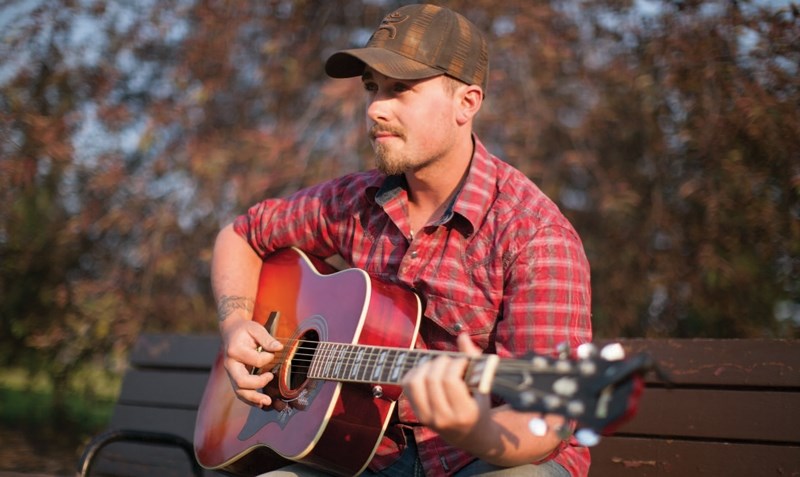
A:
x: 349, y: 63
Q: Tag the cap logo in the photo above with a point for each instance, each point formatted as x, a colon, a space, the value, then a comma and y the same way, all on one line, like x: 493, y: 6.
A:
x: 388, y: 24
x: 419, y: 41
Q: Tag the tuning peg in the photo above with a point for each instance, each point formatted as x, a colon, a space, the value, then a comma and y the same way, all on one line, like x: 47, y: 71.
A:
x: 613, y: 352
x: 586, y: 351
x: 587, y: 437
x: 538, y: 427
x: 563, y: 350
x: 527, y: 398
x: 575, y: 408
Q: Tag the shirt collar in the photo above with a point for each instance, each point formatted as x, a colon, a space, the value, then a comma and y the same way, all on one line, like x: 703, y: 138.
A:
x: 472, y: 201
x: 479, y: 189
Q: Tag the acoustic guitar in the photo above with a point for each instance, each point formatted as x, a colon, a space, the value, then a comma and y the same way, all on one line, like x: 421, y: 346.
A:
x: 348, y: 340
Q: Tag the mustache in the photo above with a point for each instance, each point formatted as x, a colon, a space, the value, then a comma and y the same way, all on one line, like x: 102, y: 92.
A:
x: 379, y: 128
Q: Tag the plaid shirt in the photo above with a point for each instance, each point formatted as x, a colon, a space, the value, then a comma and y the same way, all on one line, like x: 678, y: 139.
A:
x: 502, y: 264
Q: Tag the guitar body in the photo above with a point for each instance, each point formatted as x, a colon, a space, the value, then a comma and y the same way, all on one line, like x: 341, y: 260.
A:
x: 334, y: 426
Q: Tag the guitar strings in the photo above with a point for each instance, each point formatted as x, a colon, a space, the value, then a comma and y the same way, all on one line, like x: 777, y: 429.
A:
x: 336, y: 359
x: 345, y: 355
x: 307, y: 350
x: 348, y: 355
x: 348, y: 350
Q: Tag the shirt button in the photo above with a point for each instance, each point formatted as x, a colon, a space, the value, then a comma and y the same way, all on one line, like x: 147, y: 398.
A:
x: 457, y: 327
x: 414, y: 254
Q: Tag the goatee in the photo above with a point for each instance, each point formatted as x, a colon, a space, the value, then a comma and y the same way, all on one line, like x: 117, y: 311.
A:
x: 387, y: 163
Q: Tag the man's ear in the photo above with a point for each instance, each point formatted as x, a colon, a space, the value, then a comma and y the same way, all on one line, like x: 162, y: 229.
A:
x: 470, y: 98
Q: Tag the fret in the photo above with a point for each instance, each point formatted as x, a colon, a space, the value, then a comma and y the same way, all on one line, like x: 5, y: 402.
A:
x: 367, y: 365
x: 397, y: 368
x: 342, y: 360
x: 322, y: 359
x: 340, y: 349
x: 376, y: 372
x: 421, y: 358
x: 313, y: 370
x: 358, y: 361
x: 330, y: 361
x: 347, y: 364
x: 388, y: 366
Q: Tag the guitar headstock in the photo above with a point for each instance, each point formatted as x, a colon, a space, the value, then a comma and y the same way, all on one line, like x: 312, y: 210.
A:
x: 599, y: 389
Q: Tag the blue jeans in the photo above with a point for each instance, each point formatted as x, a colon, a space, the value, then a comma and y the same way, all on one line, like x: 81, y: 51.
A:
x: 409, y: 465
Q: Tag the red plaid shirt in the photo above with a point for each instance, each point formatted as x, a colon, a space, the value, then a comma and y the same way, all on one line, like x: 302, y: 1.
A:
x: 502, y: 264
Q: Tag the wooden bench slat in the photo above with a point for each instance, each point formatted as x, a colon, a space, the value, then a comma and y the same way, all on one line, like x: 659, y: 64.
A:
x: 174, y: 421
x: 143, y: 460
x: 628, y: 457
x: 176, y: 351
x: 739, y: 415
x: 163, y: 388
x: 752, y: 362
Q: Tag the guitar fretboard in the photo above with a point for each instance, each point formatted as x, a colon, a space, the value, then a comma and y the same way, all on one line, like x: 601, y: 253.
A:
x: 379, y: 365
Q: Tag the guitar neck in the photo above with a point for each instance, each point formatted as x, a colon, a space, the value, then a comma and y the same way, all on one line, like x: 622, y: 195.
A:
x: 380, y: 365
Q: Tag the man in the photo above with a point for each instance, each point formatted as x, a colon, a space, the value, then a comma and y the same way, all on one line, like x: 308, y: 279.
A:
x: 498, y: 268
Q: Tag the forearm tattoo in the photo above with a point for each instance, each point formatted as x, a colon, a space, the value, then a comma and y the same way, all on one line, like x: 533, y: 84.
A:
x: 229, y: 304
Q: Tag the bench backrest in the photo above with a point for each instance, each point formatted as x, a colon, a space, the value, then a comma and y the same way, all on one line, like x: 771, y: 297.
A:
x: 734, y: 410
x: 160, y: 394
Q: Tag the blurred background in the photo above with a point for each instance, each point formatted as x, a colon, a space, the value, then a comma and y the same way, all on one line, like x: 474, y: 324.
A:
x: 130, y: 131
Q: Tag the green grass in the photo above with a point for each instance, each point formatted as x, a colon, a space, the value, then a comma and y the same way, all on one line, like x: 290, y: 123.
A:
x: 36, y: 409
x: 28, y: 400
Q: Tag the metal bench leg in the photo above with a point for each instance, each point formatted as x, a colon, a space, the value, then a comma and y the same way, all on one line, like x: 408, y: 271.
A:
x: 118, y: 435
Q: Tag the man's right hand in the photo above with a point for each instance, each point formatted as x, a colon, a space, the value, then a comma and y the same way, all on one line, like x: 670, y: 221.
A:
x: 235, y: 269
x: 242, y: 338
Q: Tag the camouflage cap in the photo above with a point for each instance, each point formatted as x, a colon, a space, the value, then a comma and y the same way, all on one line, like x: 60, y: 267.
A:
x: 419, y: 41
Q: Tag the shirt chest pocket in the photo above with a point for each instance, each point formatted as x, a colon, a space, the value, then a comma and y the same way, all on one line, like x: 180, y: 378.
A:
x: 455, y: 317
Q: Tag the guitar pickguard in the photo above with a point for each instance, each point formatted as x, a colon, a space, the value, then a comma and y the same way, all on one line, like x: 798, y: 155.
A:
x: 258, y: 418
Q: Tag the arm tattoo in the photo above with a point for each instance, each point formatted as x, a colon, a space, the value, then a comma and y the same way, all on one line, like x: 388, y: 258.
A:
x: 229, y: 304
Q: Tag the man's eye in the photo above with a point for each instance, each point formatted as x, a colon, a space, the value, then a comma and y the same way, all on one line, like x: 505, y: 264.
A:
x: 370, y: 87
x: 400, y: 87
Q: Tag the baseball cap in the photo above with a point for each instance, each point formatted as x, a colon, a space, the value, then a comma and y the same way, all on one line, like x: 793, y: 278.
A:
x: 416, y: 42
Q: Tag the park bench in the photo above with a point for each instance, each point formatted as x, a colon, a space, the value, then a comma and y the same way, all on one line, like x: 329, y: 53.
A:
x: 733, y: 409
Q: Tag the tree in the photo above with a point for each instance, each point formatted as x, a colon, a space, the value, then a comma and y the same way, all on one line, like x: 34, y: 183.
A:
x: 666, y: 131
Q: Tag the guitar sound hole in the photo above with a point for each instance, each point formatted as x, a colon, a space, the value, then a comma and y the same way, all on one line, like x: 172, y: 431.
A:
x: 306, y: 347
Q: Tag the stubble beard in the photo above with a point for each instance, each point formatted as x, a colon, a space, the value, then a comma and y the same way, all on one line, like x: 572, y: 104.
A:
x: 396, y: 162
x: 392, y: 160
x: 388, y: 162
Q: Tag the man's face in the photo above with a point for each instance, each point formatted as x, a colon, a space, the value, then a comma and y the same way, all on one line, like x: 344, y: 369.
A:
x: 411, y: 123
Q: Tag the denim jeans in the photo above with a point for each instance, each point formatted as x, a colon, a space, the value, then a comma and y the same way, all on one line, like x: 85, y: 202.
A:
x: 409, y: 465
